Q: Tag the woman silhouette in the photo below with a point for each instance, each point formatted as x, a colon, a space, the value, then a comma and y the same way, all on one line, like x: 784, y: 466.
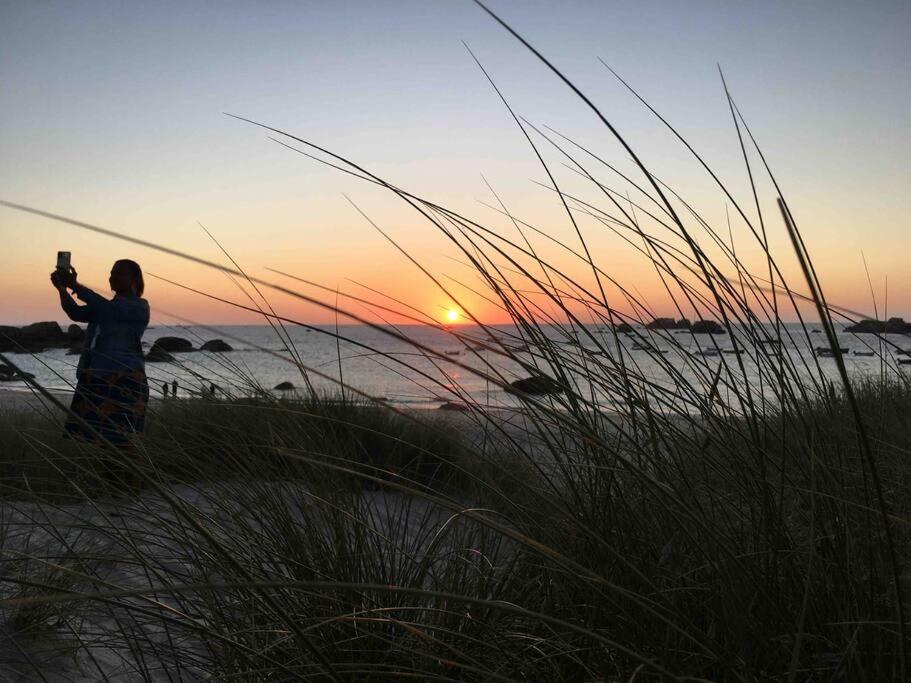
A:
x: 111, y: 387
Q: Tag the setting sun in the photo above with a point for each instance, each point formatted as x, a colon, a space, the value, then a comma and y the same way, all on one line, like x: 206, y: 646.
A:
x: 452, y: 315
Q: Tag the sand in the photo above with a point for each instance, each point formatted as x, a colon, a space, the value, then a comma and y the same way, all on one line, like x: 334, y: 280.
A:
x: 23, y: 400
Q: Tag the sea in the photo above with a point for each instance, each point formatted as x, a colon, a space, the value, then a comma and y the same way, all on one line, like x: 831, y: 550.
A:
x: 424, y: 367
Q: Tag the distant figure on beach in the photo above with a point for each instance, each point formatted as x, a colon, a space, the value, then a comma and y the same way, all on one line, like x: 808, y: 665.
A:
x: 164, y: 389
x: 111, y: 386
x: 174, y: 388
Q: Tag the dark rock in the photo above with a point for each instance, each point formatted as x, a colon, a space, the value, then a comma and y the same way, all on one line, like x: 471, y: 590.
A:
x: 172, y: 344
x: 826, y: 352
x: 866, y: 327
x: 898, y: 325
x: 9, y: 337
x: 216, y: 345
x: 75, y: 333
x: 158, y: 355
x: 669, y: 324
x: 662, y: 324
x: 451, y: 405
x: 284, y: 386
x: 75, y: 349
x: 890, y: 326
x: 33, y: 338
x: 623, y: 328
x: 47, y: 330
x: 536, y: 385
x: 707, y: 327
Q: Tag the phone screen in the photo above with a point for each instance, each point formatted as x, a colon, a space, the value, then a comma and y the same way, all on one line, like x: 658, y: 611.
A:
x: 63, y: 260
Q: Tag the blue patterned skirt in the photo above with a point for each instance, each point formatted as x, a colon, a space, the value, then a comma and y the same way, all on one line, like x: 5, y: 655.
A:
x: 112, y: 404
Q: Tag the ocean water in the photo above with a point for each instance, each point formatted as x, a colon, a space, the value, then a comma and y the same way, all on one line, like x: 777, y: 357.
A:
x: 383, y: 367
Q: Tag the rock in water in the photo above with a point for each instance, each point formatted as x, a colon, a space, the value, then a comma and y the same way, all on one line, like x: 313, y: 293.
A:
x: 284, y: 386
x: 8, y: 338
x: 158, y: 355
x: 707, y: 327
x: 33, y: 338
x: 623, y: 328
x: 662, y: 324
x: 49, y: 330
x: 452, y: 405
x: 75, y: 333
x: 216, y: 345
x: 891, y: 326
x: 537, y: 385
x: 668, y: 324
x: 172, y: 344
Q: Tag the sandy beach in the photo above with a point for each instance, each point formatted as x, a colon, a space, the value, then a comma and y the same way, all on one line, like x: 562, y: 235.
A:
x: 19, y: 400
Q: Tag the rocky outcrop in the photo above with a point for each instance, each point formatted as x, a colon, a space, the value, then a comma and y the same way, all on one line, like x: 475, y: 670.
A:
x: 707, y: 327
x: 662, y: 324
x: 163, y: 347
x: 158, y: 355
x: 38, y: 337
x: 75, y: 333
x: 284, y: 386
x: 668, y: 324
x: 173, y: 344
x: 890, y: 326
x: 623, y: 328
x: 216, y: 345
x: 536, y: 385
x: 452, y: 405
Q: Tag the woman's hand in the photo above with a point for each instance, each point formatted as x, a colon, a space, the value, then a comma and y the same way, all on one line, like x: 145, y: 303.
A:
x: 61, y: 279
x: 57, y: 280
x: 69, y: 278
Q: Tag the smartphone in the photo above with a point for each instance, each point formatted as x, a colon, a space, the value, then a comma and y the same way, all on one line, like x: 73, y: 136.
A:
x: 63, y: 261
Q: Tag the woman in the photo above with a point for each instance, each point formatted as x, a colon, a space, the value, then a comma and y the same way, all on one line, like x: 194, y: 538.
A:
x: 111, y: 389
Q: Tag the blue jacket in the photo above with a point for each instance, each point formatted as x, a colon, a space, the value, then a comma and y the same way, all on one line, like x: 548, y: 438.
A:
x: 113, y: 338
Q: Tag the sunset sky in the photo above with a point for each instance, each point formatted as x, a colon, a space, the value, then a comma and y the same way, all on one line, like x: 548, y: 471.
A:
x: 113, y: 114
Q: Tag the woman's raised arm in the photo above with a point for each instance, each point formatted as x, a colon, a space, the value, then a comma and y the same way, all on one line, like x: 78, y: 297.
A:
x: 75, y: 312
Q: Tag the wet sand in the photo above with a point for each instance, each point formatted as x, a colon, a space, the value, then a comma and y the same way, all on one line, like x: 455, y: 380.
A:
x: 18, y: 401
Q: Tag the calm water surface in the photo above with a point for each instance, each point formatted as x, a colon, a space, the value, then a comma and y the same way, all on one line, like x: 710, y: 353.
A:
x: 386, y: 368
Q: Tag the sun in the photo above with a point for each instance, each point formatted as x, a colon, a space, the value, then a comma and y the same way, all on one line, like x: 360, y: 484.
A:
x: 452, y: 315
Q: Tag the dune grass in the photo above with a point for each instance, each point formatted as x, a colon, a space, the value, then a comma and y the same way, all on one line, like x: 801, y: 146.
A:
x: 691, y: 562
x: 744, y: 516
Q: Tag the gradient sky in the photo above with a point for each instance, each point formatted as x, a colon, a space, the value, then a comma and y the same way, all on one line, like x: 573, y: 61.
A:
x: 112, y: 113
